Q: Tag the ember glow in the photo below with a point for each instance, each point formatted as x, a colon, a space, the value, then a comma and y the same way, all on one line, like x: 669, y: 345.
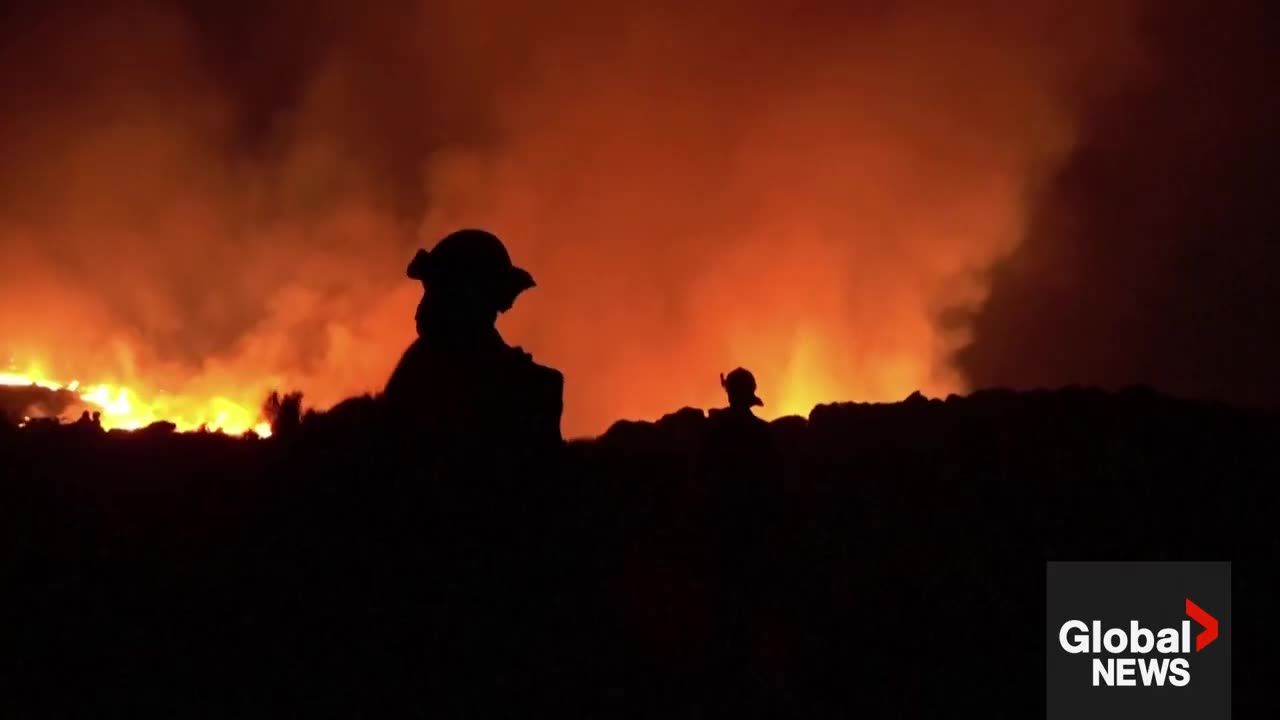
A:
x: 124, y: 409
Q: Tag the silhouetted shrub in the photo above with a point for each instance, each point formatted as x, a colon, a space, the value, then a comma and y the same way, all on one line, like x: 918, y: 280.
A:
x: 283, y: 412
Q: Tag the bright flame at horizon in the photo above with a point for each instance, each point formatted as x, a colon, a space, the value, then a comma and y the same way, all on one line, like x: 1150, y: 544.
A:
x: 121, y: 408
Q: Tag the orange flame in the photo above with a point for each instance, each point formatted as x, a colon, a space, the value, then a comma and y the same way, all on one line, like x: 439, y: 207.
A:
x: 125, y: 409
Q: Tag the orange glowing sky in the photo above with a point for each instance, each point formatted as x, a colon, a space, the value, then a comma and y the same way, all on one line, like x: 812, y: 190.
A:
x: 805, y: 192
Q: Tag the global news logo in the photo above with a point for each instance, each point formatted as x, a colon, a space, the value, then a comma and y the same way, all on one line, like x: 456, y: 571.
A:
x: 1130, y: 640
x: 1125, y: 667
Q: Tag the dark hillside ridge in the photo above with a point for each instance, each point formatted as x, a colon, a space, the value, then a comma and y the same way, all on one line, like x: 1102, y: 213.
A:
x: 882, y: 560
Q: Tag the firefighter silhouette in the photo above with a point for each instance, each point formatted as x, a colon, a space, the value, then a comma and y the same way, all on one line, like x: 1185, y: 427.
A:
x: 459, y: 380
x: 740, y: 386
x: 738, y: 442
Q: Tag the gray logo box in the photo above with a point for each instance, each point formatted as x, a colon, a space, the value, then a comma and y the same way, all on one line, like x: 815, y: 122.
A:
x: 1154, y: 594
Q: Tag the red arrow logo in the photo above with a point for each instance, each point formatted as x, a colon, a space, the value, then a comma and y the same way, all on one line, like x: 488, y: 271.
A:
x: 1210, y: 623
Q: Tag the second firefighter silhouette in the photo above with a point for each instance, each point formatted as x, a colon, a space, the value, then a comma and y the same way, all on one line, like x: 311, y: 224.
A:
x: 460, y: 381
x: 740, y: 386
x: 737, y: 440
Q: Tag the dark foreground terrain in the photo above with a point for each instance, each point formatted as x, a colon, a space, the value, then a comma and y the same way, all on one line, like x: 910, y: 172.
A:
x: 888, y: 561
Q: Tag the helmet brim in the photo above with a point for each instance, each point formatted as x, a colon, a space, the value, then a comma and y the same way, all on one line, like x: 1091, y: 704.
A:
x: 514, y: 282
x: 520, y: 279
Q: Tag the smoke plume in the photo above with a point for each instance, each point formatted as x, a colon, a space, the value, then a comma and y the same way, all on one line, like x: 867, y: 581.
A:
x: 213, y: 203
x: 1152, y: 256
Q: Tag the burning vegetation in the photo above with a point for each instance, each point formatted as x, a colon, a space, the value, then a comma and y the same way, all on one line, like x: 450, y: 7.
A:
x: 24, y: 396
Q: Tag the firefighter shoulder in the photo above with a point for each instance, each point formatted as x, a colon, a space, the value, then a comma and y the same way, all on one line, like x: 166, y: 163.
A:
x: 540, y: 390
